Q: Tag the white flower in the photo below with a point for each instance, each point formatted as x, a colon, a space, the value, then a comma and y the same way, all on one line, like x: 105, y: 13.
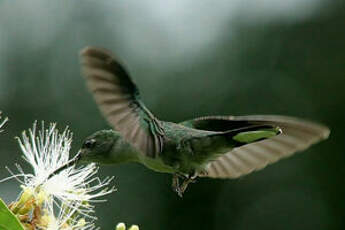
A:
x: 75, y: 187
x: 2, y: 123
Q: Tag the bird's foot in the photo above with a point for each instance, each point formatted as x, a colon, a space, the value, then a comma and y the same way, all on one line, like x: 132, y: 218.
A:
x: 203, y: 173
x: 181, y: 188
x: 176, y: 184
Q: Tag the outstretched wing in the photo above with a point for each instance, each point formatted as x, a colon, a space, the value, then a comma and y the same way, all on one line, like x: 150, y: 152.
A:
x: 118, y: 99
x: 297, y: 135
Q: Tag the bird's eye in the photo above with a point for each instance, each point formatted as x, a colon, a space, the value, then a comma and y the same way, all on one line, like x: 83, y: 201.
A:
x: 89, y: 144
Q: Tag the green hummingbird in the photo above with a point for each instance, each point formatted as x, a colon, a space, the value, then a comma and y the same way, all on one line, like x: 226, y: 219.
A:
x: 213, y: 146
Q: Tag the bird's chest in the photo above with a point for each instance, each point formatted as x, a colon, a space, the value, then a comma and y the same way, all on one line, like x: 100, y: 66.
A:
x: 180, y: 154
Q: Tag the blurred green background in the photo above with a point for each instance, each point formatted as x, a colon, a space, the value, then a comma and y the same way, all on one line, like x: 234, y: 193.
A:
x: 189, y: 58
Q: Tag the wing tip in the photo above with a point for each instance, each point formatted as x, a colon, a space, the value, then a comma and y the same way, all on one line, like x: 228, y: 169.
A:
x: 86, y: 50
x: 320, y: 128
x: 325, y: 132
x: 92, y: 51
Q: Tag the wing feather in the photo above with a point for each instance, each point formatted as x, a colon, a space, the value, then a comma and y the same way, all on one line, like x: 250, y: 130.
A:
x: 297, y: 135
x: 118, y: 99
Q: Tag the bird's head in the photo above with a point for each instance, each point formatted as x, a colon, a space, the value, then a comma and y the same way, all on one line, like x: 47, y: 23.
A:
x: 98, y: 146
x: 107, y: 147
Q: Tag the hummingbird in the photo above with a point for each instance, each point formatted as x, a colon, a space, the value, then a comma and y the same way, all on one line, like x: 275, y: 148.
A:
x: 211, y: 146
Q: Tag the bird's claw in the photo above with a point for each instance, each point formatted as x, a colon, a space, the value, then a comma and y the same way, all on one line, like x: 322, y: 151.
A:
x: 203, y: 173
x: 179, y: 192
x: 181, y: 188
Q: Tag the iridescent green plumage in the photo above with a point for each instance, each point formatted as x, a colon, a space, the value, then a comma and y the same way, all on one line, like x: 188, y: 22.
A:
x: 215, y: 146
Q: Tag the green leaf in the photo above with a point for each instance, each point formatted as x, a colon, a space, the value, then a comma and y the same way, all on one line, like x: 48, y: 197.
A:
x: 8, y: 221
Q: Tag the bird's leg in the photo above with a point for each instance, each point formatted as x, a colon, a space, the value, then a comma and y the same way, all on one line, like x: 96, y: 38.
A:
x: 181, y: 188
x: 203, y: 173
x: 176, y: 184
x: 190, y: 179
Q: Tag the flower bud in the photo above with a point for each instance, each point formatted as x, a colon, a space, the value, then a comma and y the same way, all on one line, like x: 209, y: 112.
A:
x: 120, y: 226
x: 81, y: 222
x: 134, y: 227
x: 41, y: 197
x: 27, y: 207
x: 26, y: 195
x: 45, y: 220
x: 24, y: 201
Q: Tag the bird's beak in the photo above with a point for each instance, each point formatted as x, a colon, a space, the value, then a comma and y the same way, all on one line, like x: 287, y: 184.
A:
x: 71, y: 162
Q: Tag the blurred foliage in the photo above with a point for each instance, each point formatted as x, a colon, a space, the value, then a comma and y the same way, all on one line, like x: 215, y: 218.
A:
x: 189, y: 58
x: 8, y: 221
